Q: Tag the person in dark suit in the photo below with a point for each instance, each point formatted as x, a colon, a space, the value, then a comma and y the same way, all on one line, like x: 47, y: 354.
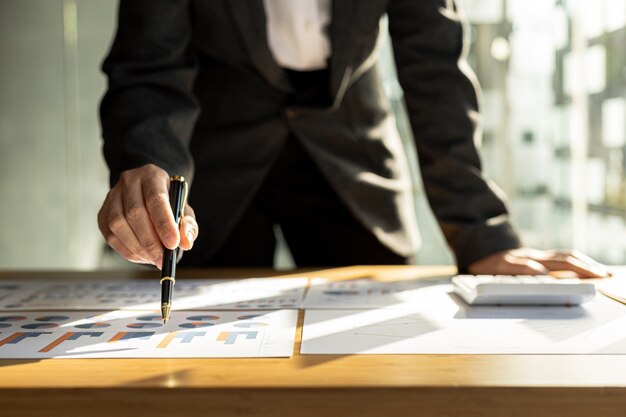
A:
x: 210, y: 90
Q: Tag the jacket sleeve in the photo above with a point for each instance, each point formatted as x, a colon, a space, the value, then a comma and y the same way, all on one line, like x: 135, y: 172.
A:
x: 149, y: 111
x: 441, y: 99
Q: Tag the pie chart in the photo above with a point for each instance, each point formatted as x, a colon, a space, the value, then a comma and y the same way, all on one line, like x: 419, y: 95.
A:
x: 341, y: 292
x: 52, y: 318
x: 143, y: 325
x: 95, y: 325
x: 251, y: 316
x: 203, y: 318
x: 195, y: 324
x: 8, y: 287
x: 150, y: 318
x: 32, y: 326
x: 11, y: 318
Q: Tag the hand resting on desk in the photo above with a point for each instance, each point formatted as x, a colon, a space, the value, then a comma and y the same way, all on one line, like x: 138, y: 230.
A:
x: 526, y: 261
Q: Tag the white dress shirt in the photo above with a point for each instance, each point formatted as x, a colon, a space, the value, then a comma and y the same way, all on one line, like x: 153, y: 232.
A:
x: 297, y: 33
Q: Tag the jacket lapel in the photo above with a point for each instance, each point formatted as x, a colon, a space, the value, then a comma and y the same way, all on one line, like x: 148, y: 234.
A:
x: 344, y: 20
x: 250, y: 18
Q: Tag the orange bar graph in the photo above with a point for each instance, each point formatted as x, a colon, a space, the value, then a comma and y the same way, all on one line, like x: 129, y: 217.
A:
x: 10, y: 338
x: 119, y: 336
x: 57, y: 342
x: 167, y: 340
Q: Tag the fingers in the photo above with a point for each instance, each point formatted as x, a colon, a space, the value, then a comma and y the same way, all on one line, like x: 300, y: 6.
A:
x: 157, y: 202
x: 136, y: 219
x: 582, y: 265
x: 120, y: 248
x: 188, y: 229
x: 136, y: 214
x: 525, y: 261
x: 507, y: 263
x: 523, y: 266
x: 117, y: 232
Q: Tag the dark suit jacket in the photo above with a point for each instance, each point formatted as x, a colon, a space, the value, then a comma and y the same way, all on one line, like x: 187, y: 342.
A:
x: 193, y: 88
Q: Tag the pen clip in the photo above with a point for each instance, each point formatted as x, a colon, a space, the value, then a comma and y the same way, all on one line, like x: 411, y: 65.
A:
x: 185, y: 193
x: 181, y: 179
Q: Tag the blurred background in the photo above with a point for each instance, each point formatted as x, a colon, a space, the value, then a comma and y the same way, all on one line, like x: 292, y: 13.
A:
x: 553, y: 76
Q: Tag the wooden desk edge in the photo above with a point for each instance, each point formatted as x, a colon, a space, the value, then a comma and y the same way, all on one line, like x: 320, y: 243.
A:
x: 451, y: 395
x: 315, y: 402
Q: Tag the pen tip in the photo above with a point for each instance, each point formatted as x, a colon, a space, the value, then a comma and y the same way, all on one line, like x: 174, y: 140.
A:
x: 165, y: 312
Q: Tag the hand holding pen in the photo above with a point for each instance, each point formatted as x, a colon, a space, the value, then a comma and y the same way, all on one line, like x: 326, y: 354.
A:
x: 137, y: 221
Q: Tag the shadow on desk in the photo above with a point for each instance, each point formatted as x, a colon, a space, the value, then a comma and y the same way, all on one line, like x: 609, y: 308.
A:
x: 17, y: 362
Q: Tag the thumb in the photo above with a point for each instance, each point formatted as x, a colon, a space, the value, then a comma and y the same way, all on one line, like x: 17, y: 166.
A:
x: 188, y: 229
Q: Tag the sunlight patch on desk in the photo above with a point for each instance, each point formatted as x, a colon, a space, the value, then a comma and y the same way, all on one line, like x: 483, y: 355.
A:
x: 444, y: 326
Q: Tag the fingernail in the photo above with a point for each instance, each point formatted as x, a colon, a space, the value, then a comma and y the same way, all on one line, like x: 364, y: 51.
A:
x: 190, y: 238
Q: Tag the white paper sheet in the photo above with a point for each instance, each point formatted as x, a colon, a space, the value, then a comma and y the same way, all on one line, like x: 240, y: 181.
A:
x: 189, y: 294
x: 368, y: 293
x: 141, y: 334
x: 9, y: 289
x: 614, y: 287
x: 446, y: 325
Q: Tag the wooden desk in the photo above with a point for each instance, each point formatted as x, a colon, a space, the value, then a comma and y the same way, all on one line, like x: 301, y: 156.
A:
x: 315, y: 385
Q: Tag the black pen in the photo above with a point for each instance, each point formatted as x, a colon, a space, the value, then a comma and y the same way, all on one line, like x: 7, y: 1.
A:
x: 178, y: 197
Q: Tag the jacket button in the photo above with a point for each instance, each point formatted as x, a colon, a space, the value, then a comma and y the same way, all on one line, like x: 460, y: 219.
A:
x: 291, y: 113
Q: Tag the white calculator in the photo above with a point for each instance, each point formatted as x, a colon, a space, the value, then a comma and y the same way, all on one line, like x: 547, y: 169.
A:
x: 522, y: 290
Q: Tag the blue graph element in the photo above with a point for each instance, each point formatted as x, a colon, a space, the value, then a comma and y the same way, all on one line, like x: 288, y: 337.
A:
x: 187, y: 337
x: 77, y: 335
x: 131, y: 335
x: 17, y: 338
x: 68, y: 336
x: 251, y: 324
x: 229, y: 338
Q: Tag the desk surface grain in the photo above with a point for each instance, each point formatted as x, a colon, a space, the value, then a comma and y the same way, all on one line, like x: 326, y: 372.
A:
x: 313, y: 385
